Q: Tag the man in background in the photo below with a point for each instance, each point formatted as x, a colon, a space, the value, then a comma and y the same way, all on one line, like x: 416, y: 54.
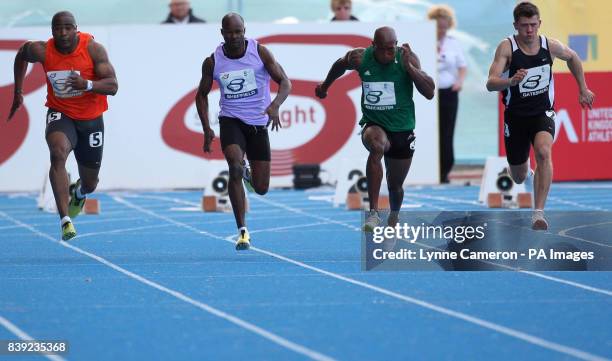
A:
x: 342, y: 10
x: 181, y: 13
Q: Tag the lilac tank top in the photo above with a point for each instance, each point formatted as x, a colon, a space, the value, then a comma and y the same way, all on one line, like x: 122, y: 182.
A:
x: 244, y: 84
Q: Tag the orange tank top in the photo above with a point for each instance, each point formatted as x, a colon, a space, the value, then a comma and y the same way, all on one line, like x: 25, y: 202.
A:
x: 77, y: 104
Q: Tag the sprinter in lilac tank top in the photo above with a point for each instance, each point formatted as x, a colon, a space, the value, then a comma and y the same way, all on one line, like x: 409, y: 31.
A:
x: 242, y: 68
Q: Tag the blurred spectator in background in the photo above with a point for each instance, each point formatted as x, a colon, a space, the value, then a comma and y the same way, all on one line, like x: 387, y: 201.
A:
x: 181, y: 13
x: 451, y: 73
x: 342, y: 10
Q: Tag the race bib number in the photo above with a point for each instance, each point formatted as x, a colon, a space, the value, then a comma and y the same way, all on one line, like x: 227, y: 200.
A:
x: 96, y: 139
x: 379, y: 95
x: 238, y: 84
x: 58, y: 83
x: 53, y: 116
x: 536, y: 82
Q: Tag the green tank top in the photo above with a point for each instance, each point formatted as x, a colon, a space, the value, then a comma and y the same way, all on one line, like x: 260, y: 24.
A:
x: 386, y: 93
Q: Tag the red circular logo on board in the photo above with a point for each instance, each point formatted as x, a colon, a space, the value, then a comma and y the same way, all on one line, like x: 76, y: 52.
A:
x: 13, y: 133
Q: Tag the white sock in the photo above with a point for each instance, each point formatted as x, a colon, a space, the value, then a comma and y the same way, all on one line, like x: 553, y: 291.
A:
x: 65, y: 220
x: 242, y: 229
x: 79, y: 194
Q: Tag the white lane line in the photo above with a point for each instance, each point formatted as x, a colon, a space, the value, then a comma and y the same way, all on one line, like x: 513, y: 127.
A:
x: 287, y: 227
x: 535, y: 274
x: 24, y: 336
x: 81, y: 221
x: 563, y: 233
x: 459, y: 315
x: 121, y: 230
x: 299, y: 211
x: 576, y: 204
x: 607, y: 185
x: 279, y: 340
x: 568, y: 282
x: 160, y: 198
x: 445, y: 199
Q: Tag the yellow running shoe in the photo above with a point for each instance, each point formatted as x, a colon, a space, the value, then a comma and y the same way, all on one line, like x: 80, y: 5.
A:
x: 372, y: 221
x: 244, y: 241
x: 68, y: 231
x: 75, y: 205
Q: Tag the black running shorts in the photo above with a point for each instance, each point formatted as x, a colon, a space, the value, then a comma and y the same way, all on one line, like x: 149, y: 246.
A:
x: 520, y: 132
x: 402, y: 143
x: 252, y: 139
x: 86, y: 136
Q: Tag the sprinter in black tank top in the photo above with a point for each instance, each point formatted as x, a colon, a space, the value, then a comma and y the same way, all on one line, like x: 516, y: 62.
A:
x: 522, y: 71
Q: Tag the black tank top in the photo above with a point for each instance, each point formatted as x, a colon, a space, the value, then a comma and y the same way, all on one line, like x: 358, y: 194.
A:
x: 536, y: 93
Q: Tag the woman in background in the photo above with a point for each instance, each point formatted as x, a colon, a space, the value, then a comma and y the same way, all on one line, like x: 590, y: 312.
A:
x: 451, y: 74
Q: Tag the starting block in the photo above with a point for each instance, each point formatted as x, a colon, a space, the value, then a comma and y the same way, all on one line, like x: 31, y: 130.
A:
x: 92, y: 206
x: 498, y: 190
x: 355, y: 202
x: 212, y: 203
x: 216, y: 198
x: 46, y: 200
x: 502, y: 200
x: 357, y: 196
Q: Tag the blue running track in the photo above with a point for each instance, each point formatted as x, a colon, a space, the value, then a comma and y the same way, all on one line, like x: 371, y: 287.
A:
x: 153, y: 278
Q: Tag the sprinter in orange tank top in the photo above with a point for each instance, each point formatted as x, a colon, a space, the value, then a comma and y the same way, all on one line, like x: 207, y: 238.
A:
x: 79, y: 77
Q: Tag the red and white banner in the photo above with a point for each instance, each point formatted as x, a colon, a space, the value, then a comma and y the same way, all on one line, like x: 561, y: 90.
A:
x: 153, y: 135
x: 583, y: 137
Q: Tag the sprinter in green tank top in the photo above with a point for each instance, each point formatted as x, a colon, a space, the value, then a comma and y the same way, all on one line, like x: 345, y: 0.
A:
x: 388, y: 74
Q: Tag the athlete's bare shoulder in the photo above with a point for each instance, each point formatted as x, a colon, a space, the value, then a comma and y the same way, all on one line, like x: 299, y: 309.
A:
x: 208, y: 66
x: 504, y: 47
x: 34, y: 51
x: 353, y: 58
x: 559, y: 50
x: 97, y: 52
x: 503, y: 57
